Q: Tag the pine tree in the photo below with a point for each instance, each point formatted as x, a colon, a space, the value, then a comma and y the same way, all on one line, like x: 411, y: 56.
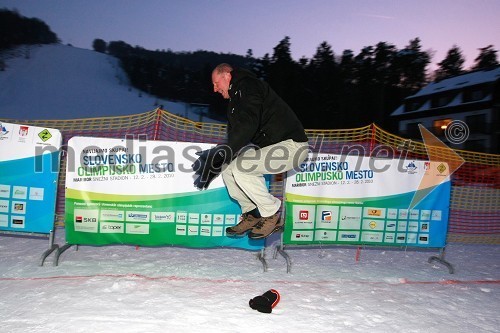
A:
x: 451, y: 65
x: 487, y: 58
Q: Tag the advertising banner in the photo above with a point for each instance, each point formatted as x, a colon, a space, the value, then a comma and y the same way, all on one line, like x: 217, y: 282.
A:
x: 340, y: 199
x: 141, y: 192
x: 29, y: 168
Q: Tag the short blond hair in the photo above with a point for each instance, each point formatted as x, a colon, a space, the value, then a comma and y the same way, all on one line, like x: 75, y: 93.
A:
x: 223, y: 68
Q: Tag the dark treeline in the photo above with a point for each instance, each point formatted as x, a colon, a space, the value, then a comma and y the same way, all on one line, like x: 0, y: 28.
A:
x: 326, y: 91
x: 16, y: 29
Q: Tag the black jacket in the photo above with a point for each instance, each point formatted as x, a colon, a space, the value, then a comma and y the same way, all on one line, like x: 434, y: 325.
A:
x: 257, y: 115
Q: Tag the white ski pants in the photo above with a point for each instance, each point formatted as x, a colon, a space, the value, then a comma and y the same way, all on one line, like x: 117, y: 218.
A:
x: 244, y: 176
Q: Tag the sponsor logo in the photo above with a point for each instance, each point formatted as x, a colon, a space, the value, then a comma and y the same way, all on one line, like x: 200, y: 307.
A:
x: 45, y: 135
x: 137, y: 217
x: 348, y: 236
x: 194, y: 218
x: 413, y: 226
x: 392, y: 213
x: 374, y: 212
x: 18, y: 207
x: 414, y: 214
x: 372, y: 224
x: 411, y: 168
x: 412, y: 238
x: 108, y: 215
x: 348, y: 218
x: 86, y: 220
x: 403, y: 214
x: 425, y: 215
x: 424, y: 227
x: 19, y: 193
x: 205, y: 231
x: 4, y: 191
x: 36, y: 193
x: 192, y: 230
x: 180, y: 230
x: 322, y: 235
x: 302, y: 236
x: 3, y: 130
x: 218, y: 219
x: 441, y: 168
x: 436, y: 215
x: 371, y: 237
x: 163, y: 217
x: 17, y: 222
x: 326, y: 216
x: 217, y: 232
x: 206, y: 218
x: 303, y: 215
x: 181, y: 217
x: 427, y: 166
x: 423, y: 238
x: 137, y: 229
x: 230, y: 219
x: 4, y: 206
x: 389, y: 238
x: 23, y: 131
x: 110, y: 227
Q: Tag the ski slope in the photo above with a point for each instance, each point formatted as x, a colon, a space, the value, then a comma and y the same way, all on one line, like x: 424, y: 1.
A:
x: 64, y: 82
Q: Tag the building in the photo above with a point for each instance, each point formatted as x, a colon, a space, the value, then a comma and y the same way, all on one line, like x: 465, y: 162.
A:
x: 472, y: 98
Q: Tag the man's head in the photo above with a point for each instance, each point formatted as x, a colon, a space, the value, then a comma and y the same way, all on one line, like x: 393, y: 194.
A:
x: 221, y: 78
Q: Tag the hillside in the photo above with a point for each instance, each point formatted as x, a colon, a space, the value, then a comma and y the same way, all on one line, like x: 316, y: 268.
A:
x: 64, y: 82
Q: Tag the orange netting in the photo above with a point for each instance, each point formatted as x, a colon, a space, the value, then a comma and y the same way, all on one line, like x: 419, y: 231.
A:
x: 475, y: 196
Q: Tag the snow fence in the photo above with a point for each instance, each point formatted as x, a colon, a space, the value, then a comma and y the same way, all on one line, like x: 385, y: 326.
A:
x: 475, y: 194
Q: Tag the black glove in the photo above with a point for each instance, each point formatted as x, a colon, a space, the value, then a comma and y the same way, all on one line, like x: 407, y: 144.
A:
x: 266, y: 302
x: 202, y: 181
x: 209, y: 164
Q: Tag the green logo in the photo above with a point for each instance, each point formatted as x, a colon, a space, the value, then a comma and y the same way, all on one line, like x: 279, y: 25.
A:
x: 44, y: 135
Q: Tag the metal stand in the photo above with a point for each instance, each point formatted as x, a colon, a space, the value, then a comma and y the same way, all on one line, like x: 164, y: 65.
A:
x: 261, y: 257
x: 60, y: 251
x: 440, y: 259
x: 51, y: 248
x: 280, y: 249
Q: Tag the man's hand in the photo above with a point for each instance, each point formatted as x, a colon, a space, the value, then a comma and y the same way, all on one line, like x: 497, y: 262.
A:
x: 209, y: 164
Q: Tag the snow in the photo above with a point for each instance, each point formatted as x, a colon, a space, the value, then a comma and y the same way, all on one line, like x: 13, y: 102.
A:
x: 64, y: 82
x: 122, y: 288
x: 460, y: 81
x: 456, y: 82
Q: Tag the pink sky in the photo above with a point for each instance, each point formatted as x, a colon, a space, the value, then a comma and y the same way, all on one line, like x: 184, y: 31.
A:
x: 238, y: 25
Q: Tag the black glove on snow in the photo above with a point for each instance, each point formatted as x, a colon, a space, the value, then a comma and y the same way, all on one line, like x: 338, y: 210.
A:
x: 209, y: 164
x: 266, y: 302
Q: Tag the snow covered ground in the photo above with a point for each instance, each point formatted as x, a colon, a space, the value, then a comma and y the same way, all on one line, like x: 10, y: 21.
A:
x: 64, y: 82
x: 169, y: 289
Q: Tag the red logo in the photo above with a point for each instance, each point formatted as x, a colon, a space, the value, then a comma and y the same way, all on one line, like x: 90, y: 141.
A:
x: 23, y: 130
x: 79, y: 219
x: 303, y: 215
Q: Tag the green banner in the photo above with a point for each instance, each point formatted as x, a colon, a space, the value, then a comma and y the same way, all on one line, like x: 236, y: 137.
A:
x: 145, y: 202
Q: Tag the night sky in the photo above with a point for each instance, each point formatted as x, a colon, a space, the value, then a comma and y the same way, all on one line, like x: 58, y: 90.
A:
x: 238, y: 25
